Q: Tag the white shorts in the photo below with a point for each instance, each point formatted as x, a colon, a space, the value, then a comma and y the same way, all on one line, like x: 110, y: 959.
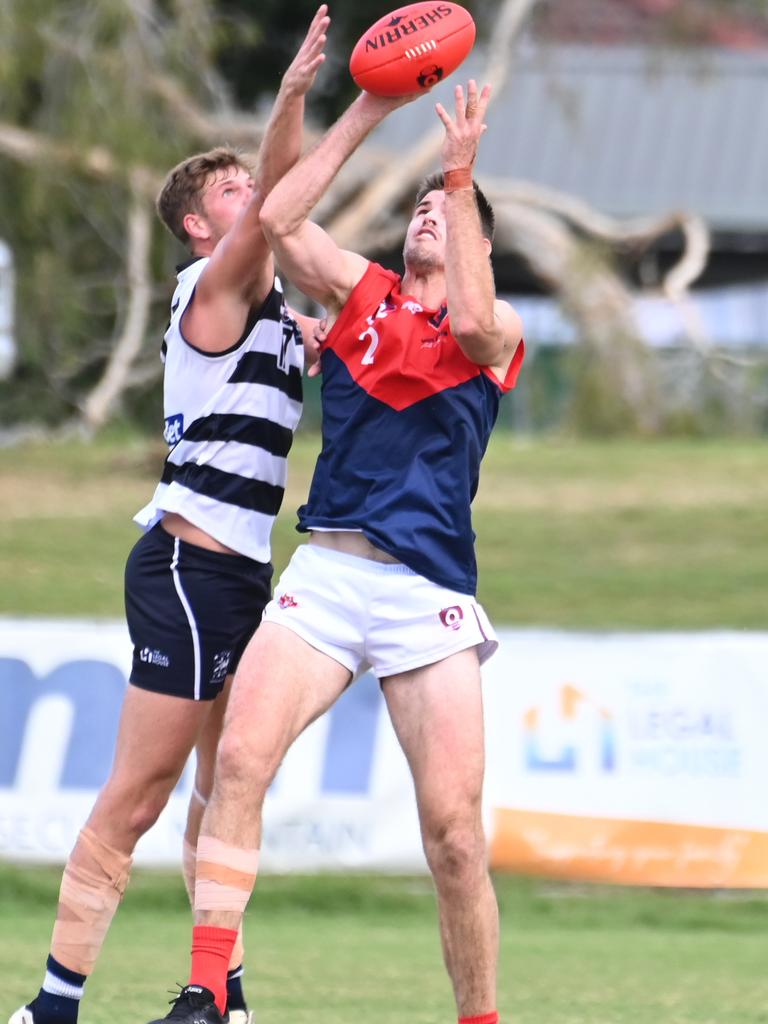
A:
x: 363, y: 613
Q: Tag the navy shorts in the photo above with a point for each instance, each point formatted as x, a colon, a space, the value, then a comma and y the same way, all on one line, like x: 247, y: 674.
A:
x: 190, y: 613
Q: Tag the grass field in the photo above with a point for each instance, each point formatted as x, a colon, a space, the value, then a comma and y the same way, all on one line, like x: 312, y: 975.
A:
x: 328, y: 950
x: 667, y: 534
x: 632, y: 535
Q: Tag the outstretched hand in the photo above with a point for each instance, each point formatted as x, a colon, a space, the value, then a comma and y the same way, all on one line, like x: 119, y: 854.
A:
x: 463, y: 131
x: 298, y: 79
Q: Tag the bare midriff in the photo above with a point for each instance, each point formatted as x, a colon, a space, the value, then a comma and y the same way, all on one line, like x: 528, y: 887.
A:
x: 180, y: 527
x: 350, y: 542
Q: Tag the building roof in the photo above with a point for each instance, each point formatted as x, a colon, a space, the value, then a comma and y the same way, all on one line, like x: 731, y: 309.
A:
x: 735, y: 24
x: 633, y: 131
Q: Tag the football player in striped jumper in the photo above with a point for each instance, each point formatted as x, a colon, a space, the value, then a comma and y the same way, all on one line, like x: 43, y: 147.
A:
x: 197, y: 581
x: 413, y: 370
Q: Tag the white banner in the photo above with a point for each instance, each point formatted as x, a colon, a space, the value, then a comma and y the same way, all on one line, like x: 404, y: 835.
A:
x: 342, y: 798
x: 634, y: 758
x: 631, y: 757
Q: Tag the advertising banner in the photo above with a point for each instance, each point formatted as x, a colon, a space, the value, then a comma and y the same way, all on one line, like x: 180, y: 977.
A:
x: 630, y: 758
x: 342, y: 799
x: 637, y: 758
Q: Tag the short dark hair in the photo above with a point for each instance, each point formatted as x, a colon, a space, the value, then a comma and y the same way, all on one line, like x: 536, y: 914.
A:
x: 435, y: 183
x: 183, y: 186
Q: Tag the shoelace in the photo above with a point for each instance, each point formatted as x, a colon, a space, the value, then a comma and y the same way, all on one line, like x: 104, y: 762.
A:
x: 177, y: 996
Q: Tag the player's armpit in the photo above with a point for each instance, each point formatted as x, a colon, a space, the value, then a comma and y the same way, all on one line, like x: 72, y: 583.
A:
x: 216, y: 318
x: 511, y: 327
x: 313, y: 262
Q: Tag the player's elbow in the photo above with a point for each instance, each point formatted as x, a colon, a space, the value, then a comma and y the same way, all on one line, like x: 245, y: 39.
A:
x: 274, y: 223
x: 480, y: 342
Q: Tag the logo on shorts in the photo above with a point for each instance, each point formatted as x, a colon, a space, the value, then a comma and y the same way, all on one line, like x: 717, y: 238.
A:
x: 220, y: 666
x: 150, y: 657
x: 451, y: 617
x: 287, y: 601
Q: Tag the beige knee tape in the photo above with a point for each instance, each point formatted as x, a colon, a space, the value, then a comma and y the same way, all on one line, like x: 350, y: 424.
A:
x: 188, y: 863
x: 225, y: 875
x: 92, y: 886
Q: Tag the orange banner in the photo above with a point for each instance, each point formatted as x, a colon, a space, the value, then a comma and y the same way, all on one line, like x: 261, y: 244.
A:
x: 628, y: 852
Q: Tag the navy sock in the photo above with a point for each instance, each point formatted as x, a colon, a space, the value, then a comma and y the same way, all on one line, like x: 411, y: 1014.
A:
x: 235, y: 997
x: 58, y: 1000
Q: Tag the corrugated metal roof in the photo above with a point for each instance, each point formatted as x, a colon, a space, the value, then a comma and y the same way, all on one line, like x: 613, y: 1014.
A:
x: 631, y: 131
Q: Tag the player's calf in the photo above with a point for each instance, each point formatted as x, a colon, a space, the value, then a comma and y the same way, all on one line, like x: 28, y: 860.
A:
x: 92, y: 886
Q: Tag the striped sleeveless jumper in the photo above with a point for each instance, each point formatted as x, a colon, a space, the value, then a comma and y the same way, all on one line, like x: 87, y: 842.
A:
x: 229, y: 422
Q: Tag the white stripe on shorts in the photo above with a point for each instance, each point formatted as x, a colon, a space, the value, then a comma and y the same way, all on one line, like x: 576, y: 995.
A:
x: 190, y: 617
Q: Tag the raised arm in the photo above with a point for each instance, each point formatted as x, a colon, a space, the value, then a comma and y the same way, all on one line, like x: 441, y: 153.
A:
x: 487, y: 329
x: 281, y: 145
x: 306, y: 253
x: 240, y: 273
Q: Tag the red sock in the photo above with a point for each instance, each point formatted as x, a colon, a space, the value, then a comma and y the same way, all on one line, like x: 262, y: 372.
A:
x: 211, y: 950
x: 482, y: 1018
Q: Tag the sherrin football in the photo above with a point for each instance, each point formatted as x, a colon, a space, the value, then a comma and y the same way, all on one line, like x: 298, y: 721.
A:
x: 412, y: 49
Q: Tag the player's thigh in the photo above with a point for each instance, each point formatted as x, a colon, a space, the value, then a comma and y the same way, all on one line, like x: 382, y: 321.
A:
x: 437, y: 714
x: 208, y: 741
x: 282, y: 684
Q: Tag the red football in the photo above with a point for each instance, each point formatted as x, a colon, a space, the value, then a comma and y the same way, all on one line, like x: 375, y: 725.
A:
x: 412, y: 48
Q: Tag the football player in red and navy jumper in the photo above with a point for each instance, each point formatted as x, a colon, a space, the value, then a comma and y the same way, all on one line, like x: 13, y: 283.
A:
x: 413, y: 370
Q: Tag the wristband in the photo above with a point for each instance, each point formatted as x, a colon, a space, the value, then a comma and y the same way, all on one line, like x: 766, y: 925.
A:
x: 457, y: 180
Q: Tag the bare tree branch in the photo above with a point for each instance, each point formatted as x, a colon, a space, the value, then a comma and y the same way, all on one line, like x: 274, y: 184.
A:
x: 34, y: 148
x: 596, y: 299
x: 98, y: 405
x: 231, y: 125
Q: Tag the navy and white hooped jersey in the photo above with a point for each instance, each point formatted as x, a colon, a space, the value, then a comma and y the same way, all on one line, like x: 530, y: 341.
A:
x: 229, y: 422
x: 406, y: 421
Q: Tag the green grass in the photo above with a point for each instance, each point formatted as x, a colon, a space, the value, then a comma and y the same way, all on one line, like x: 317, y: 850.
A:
x: 323, y: 950
x: 639, y: 535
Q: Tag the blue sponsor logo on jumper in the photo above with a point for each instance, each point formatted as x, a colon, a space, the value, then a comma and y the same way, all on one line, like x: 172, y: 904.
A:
x: 174, y: 428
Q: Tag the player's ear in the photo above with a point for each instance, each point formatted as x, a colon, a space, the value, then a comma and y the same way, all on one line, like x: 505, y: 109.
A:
x: 488, y: 246
x: 196, y: 226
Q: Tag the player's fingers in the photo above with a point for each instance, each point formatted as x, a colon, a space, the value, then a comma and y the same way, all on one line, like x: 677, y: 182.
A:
x: 318, y: 26
x: 471, y: 97
x: 318, y: 37
x: 458, y: 93
x: 442, y: 113
x: 314, y: 64
x: 321, y: 14
x: 483, y: 101
x: 317, y: 46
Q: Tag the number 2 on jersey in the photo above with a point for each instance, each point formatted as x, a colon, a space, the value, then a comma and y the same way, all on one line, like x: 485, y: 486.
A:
x: 373, y: 334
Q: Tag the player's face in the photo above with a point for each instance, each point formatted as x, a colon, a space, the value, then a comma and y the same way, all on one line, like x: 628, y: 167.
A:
x: 425, y: 238
x: 225, y: 195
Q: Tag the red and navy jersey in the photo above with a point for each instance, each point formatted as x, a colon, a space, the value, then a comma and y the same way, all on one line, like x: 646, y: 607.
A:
x: 406, y: 421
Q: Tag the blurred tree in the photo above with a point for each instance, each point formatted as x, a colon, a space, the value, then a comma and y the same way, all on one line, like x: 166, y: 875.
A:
x: 99, y: 97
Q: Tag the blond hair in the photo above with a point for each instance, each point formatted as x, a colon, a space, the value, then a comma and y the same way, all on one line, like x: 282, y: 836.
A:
x: 183, y: 186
